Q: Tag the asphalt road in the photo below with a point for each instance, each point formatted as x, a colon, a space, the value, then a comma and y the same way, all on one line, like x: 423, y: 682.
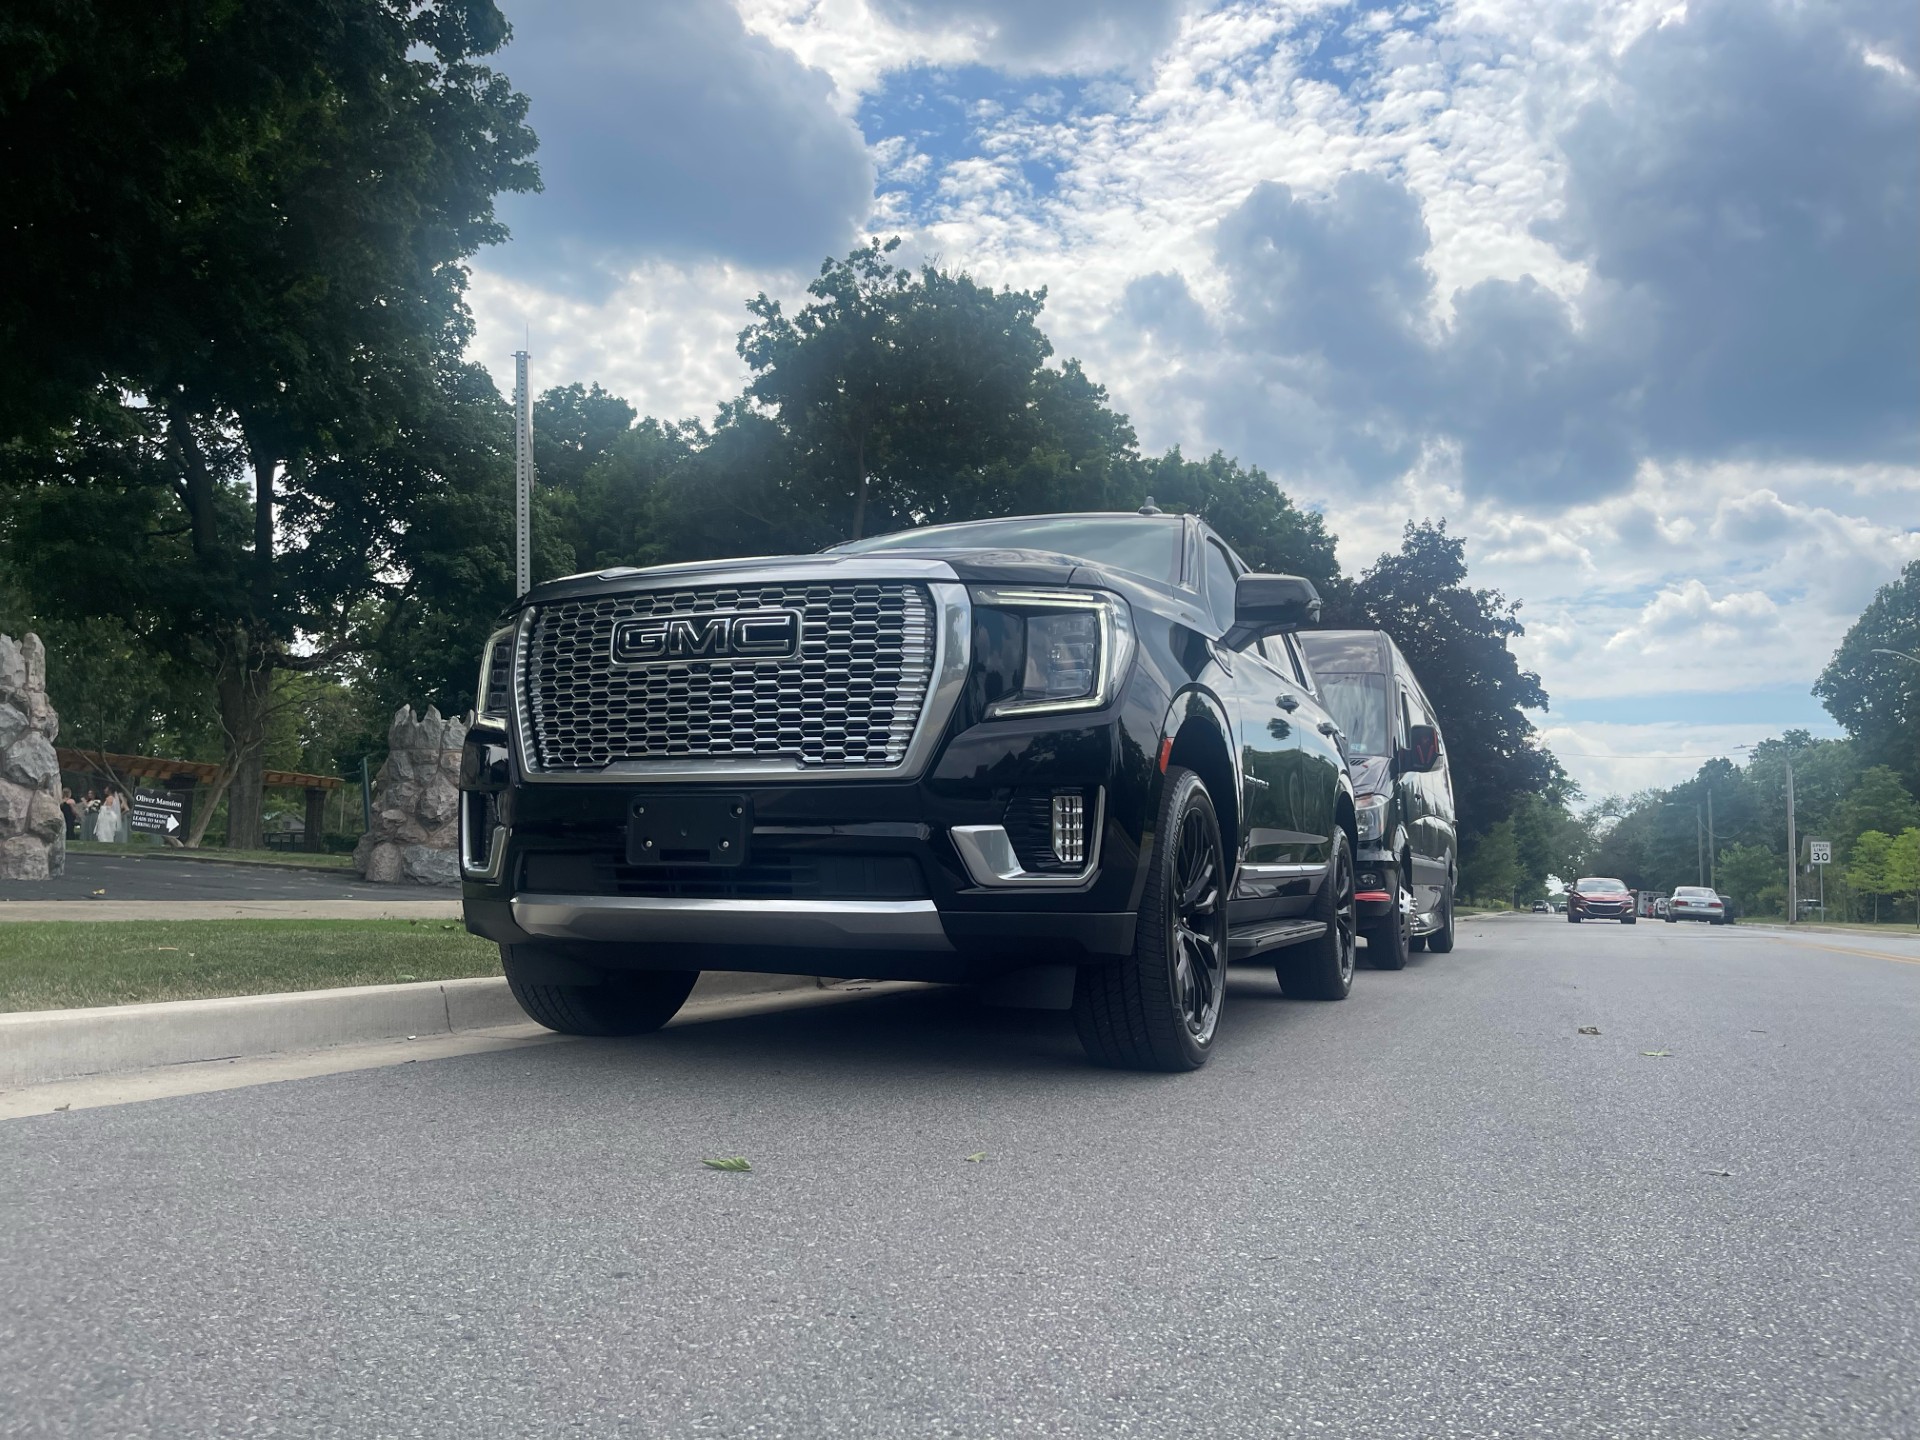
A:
x: 161, y: 877
x: 1434, y: 1210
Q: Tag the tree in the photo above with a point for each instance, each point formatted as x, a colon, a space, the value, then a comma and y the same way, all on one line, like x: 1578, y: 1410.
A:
x: 1456, y: 639
x: 1877, y: 801
x: 898, y: 389
x: 1871, y: 870
x: 238, y: 230
x: 1877, y: 697
x: 1490, y: 865
x: 1748, y: 873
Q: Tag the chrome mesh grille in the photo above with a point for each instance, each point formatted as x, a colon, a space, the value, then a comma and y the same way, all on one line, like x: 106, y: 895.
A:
x: 849, y: 698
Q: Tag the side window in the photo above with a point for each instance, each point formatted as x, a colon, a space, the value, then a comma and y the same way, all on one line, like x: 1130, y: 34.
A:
x: 1285, y: 657
x: 1406, y: 718
x: 1220, y: 578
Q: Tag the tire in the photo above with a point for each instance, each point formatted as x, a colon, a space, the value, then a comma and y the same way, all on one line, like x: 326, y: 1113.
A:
x: 1390, y: 940
x: 1629, y: 919
x: 1322, y: 969
x: 1440, y: 942
x: 1572, y: 919
x: 1159, y: 1009
x: 624, y: 1002
x: 1672, y: 921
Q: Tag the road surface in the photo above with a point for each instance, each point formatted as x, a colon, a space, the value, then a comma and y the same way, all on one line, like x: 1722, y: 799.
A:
x: 1435, y: 1210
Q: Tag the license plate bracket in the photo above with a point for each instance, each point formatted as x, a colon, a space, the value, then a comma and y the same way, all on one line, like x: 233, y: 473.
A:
x: 689, y: 830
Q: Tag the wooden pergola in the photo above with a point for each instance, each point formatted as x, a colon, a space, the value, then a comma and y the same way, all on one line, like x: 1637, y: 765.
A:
x: 186, y: 774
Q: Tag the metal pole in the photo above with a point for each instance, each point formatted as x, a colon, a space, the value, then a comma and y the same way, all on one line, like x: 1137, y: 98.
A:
x: 1711, y: 883
x: 522, y: 477
x: 1699, y: 852
x: 1793, y: 856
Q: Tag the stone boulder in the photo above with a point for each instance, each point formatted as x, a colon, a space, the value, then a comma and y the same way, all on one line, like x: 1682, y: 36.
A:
x: 33, y: 835
x: 416, y: 803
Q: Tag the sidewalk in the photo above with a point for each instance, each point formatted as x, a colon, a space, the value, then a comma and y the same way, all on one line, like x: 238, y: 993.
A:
x: 441, y: 907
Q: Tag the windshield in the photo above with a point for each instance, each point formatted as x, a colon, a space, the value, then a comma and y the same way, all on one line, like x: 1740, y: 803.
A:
x: 1358, y: 704
x: 1600, y: 887
x: 1692, y: 892
x: 1141, y: 544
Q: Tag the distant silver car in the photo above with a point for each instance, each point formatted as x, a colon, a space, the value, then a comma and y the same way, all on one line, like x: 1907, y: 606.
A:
x: 1696, y: 902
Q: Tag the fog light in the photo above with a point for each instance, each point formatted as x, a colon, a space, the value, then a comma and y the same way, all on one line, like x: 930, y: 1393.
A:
x: 1069, y: 829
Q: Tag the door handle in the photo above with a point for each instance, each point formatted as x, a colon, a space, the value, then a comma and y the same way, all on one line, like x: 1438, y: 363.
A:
x: 1287, y: 703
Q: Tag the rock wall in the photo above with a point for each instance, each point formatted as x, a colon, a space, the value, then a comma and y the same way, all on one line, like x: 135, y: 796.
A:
x: 33, y: 833
x: 416, y: 803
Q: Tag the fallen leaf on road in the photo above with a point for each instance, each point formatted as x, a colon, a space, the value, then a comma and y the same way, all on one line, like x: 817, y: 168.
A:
x: 976, y: 1157
x: 1723, y: 1174
x: 67, y: 1106
x: 99, y: 892
x: 728, y: 1162
x: 1589, y: 1029
x: 1656, y: 1053
x: 166, y: 947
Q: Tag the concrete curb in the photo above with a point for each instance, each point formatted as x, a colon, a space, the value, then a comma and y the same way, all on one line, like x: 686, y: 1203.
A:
x: 41, y: 1045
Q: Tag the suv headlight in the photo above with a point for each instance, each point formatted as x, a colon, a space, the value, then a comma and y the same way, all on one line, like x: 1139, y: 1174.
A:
x: 1058, y: 650
x: 1370, y: 817
x: 494, y: 698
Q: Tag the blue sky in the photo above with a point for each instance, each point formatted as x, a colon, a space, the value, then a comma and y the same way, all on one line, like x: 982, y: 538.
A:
x: 1627, y: 292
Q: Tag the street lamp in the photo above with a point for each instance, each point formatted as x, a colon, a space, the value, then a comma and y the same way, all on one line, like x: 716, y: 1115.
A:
x: 1901, y: 653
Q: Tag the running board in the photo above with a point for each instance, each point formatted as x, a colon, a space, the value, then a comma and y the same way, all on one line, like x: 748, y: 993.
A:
x: 1258, y: 939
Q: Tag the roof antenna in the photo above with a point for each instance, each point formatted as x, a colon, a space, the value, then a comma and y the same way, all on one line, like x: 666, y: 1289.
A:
x: 1150, y: 508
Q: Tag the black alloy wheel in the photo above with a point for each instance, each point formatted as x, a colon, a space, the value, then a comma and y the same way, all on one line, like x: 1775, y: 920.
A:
x: 1198, y: 915
x: 1322, y: 968
x: 1159, y: 1009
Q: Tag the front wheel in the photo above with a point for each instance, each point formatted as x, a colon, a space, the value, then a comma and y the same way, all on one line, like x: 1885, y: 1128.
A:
x: 1159, y: 1009
x: 1322, y: 969
x: 1629, y: 920
x: 622, y: 1002
x: 1572, y: 919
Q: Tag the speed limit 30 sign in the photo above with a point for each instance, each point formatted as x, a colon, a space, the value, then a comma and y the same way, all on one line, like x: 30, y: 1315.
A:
x: 1822, y: 851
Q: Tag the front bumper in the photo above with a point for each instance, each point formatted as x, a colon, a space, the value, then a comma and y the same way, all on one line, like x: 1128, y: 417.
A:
x: 892, y: 895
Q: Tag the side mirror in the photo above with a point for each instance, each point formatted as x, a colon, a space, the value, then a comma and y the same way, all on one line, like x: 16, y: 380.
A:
x: 1268, y: 604
x: 1423, y: 748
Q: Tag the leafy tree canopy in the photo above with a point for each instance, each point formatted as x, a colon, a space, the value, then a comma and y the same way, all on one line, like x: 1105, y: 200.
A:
x: 1877, y: 697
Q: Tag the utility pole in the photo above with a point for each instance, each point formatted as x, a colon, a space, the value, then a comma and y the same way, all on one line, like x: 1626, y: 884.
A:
x: 1710, y: 845
x: 1699, y: 848
x: 1793, y: 856
x: 522, y: 477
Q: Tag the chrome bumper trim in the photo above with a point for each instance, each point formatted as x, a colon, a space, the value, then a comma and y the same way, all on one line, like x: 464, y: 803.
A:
x: 990, y: 860
x: 816, y: 924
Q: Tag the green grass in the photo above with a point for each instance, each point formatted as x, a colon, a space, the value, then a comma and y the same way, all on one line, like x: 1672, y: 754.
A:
x: 64, y: 964
x: 297, y: 859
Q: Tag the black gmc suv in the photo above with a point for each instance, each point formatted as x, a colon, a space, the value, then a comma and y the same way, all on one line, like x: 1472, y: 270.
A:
x: 1077, y: 749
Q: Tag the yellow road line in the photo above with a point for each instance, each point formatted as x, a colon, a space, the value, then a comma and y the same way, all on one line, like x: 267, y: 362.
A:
x: 1869, y: 954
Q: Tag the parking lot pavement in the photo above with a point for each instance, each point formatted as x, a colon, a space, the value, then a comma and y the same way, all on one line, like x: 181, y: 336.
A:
x: 1437, y: 1209
x: 161, y: 877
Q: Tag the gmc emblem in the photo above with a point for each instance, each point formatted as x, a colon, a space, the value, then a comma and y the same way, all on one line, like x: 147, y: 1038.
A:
x: 716, y: 635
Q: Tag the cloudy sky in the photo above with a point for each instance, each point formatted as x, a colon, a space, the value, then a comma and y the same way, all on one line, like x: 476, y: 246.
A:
x: 1629, y: 293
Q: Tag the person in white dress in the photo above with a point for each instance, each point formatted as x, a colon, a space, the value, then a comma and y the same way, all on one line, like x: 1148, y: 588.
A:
x: 109, y: 825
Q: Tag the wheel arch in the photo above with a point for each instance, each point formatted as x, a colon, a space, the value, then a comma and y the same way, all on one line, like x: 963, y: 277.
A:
x: 1202, y: 737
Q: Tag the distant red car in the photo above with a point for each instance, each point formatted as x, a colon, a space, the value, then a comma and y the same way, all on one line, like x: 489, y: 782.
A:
x: 1600, y: 898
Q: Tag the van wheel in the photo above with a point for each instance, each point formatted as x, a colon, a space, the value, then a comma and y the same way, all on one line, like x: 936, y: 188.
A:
x: 1389, y: 939
x: 1440, y: 942
x: 1322, y: 969
x: 623, y: 1002
x: 1159, y: 1009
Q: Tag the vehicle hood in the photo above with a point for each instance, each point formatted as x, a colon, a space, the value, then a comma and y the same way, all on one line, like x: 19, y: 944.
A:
x: 1372, y: 774
x: 986, y: 567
